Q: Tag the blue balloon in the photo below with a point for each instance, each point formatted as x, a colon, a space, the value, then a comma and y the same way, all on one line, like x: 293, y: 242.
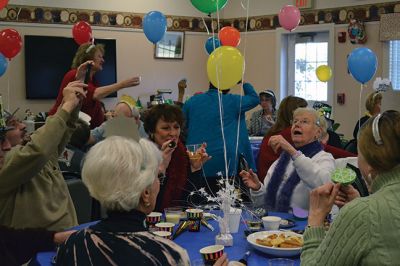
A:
x: 154, y: 26
x: 210, y: 46
x: 362, y: 64
x: 3, y: 64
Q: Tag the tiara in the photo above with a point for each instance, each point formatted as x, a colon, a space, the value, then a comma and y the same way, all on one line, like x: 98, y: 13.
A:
x: 375, y: 130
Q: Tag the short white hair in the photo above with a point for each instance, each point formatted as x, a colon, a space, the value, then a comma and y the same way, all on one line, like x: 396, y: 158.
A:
x: 117, y: 170
x: 319, y: 118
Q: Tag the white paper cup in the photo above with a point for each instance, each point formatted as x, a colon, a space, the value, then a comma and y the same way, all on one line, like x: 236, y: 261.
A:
x: 234, y: 220
x: 271, y: 222
x: 165, y: 227
x: 163, y: 234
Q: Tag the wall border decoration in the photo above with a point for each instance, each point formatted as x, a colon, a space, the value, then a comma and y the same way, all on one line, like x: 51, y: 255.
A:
x: 67, y: 16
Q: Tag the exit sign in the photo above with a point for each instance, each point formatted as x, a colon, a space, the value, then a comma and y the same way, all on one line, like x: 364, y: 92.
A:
x: 303, y: 4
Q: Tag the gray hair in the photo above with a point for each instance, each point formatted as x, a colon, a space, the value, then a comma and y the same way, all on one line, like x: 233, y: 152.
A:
x: 319, y: 118
x: 117, y: 170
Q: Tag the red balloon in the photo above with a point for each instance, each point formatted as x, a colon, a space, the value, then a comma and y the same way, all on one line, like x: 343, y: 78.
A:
x: 3, y: 3
x: 10, y: 43
x: 229, y: 36
x: 82, y: 32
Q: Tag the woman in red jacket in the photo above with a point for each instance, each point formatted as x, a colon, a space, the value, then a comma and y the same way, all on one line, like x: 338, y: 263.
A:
x: 93, y: 55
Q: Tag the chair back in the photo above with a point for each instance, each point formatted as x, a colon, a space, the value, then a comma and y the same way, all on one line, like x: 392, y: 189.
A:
x: 81, y: 199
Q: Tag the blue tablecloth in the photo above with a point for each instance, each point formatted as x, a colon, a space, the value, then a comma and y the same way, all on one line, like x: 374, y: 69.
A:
x: 255, y: 147
x: 193, y: 242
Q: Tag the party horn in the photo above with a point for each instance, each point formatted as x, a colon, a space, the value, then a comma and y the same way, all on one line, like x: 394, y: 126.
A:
x: 206, y: 224
x: 183, y: 225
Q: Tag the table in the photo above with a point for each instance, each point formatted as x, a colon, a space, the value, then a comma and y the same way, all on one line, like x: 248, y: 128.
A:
x: 193, y: 242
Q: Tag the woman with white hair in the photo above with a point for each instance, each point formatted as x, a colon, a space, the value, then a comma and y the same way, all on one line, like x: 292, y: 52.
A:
x: 122, y: 175
x: 299, y: 169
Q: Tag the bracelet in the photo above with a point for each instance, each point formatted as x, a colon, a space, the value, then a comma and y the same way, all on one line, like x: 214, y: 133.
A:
x: 297, y: 154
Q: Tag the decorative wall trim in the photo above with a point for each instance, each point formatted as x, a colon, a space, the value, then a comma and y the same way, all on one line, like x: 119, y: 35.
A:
x: 68, y: 16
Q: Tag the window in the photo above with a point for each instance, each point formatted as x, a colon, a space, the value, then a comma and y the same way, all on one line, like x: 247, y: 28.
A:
x: 394, y: 64
x: 171, y: 46
x: 307, y: 51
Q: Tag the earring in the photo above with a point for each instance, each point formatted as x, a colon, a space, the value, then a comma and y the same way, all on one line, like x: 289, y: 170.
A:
x: 151, y: 136
x: 147, y: 204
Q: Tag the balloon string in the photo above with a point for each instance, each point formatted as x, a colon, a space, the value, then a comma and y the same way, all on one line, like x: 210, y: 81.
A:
x: 241, y: 91
x: 359, y: 111
x: 241, y: 3
x: 19, y: 11
x: 8, y: 93
x: 205, y: 25
x: 221, y: 109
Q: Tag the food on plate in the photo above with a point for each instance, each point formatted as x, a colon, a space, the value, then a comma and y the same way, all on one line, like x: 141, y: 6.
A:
x: 281, y: 241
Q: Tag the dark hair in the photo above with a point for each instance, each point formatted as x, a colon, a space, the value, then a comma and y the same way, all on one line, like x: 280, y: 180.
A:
x: 81, y: 134
x: 285, y: 113
x: 269, y: 94
x: 166, y: 112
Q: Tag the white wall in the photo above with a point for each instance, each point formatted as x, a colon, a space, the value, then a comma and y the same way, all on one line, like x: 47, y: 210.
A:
x: 135, y: 56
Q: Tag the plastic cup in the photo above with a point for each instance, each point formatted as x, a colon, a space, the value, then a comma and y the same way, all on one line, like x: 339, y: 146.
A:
x: 234, y: 220
x: 271, y: 222
x: 192, y: 151
x: 173, y: 215
x: 280, y: 262
x: 211, y: 254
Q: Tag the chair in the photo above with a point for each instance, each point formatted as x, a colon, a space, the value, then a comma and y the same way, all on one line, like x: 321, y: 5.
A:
x: 351, y: 146
x: 81, y: 199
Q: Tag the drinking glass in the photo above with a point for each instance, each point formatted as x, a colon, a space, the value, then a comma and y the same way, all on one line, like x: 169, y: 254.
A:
x: 192, y: 151
x: 173, y: 214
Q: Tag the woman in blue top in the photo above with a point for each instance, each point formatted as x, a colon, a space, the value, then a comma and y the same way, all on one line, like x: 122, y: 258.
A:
x: 203, y: 122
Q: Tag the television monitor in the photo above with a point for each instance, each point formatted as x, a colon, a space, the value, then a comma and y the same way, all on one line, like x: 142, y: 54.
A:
x: 48, y: 58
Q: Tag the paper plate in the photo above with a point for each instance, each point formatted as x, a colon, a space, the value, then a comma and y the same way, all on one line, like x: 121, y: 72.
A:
x: 275, y: 251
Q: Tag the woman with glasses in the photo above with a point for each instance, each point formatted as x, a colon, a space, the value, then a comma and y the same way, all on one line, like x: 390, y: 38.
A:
x: 366, y: 230
x: 262, y: 120
x: 267, y: 156
x: 300, y: 167
x: 163, y: 124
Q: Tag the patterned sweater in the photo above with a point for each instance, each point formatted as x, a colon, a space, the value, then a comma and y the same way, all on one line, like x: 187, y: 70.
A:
x: 121, y: 239
x: 366, y: 231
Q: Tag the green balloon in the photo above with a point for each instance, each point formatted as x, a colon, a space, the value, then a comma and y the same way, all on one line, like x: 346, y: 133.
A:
x: 209, y: 6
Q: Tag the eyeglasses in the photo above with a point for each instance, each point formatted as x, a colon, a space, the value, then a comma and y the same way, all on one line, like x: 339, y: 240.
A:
x: 161, y: 178
x: 303, y: 122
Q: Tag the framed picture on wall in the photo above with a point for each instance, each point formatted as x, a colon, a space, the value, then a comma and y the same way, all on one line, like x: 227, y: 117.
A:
x: 171, y: 46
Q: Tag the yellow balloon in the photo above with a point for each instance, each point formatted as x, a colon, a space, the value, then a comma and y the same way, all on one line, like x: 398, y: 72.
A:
x: 225, y: 67
x: 324, y: 73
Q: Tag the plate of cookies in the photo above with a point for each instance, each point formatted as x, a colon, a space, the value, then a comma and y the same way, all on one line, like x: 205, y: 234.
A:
x: 277, y: 243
